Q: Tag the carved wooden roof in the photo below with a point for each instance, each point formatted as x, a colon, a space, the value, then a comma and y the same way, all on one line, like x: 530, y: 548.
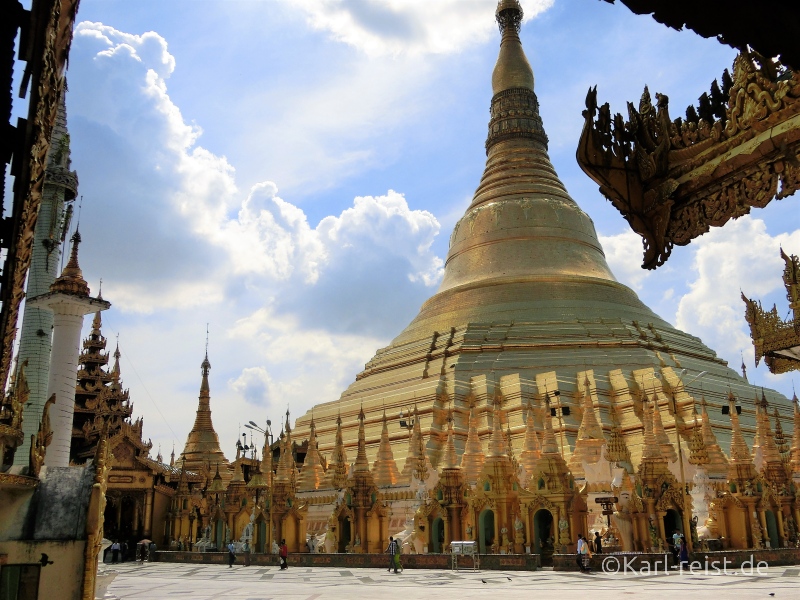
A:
x: 674, y: 179
x: 771, y: 29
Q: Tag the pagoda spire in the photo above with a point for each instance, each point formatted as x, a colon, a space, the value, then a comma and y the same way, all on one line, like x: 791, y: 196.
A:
x: 384, y: 469
x: 416, y: 457
x: 549, y: 444
x: 717, y: 466
x: 532, y: 451
x: 698, y: 454
x: 591, y: 440
x: 473, y: 457
x: 450, y: 460
x: 312, y: 474
x: 617, y: 451
x: 202, y: 443
x: 285, y: 472
x: 497, y: 443
x: 741, y: 470
x: 336, y: 475
x: 650, y: 449
x: 362, y: 464
x: 660, y: 433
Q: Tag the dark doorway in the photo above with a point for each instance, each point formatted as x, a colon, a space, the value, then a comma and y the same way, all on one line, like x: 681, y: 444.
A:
x: 344, y: 534
x: 486, y: 531
x: 543, y: 538
x: 437, y: 535
x: 672, y: 521
x: 772, y: 530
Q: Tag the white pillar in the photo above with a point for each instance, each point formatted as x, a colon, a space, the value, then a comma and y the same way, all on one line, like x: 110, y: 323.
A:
x: 68, y: 312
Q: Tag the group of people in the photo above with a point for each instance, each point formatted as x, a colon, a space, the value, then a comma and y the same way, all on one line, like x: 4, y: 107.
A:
x: 680, y: 551
x: 585, y: 548
x: 283, y: 555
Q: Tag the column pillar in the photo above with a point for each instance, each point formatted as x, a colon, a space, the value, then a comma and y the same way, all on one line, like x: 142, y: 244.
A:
x: 68, y: 306
x: 136, y: 507
x: 148, y: 513
x: 781, y: 533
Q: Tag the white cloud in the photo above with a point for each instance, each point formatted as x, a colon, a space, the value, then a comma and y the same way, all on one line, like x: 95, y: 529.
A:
x: 179, y: 245
x: 408, y: 26
x: 740, y: 257
x: 623, y: 253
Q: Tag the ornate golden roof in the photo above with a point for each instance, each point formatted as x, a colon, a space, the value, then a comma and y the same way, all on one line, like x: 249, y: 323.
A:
x: 775, y: 340
x: 740, y: 464
x: 71, y: 280
x: 532, y: 451
x: 336, y: 475
x: 202, y: 444
x: 664, y: 444
x: 717, y: 466
x: 450, y: 458
x: 312, y: 473
x: 473, y: 457
x: 590, y: 439
x: 384, y: 469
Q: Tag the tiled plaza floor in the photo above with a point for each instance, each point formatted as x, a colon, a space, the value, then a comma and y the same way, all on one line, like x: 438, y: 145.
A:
x: 154, y: 581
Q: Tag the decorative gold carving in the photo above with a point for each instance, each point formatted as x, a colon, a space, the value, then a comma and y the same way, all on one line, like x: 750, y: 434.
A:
x: 672, y: 180
x: 41, y: 440
x: 775, y: 340
x: 94, y: 515
x: 11, y: 412
x: 50, y: 59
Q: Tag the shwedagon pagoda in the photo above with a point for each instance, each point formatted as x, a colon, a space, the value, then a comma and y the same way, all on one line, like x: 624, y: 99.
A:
x: 533, y: 398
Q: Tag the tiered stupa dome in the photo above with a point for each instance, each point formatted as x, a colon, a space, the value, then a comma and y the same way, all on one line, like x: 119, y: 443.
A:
x: 528, y: 308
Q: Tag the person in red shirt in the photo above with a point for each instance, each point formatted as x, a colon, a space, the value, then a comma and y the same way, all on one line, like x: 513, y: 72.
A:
x: 284, y: 554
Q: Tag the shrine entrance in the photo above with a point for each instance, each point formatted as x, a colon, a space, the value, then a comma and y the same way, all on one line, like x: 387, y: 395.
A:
x: 437, y: 535
x: 772, y: 530
x: 486, y: 531
x: 344, y: 534
x: 543, y: 538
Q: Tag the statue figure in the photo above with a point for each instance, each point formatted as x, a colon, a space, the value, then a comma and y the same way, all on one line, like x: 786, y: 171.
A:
x: 504, y: 541
x: 791, y: 529
x: 654, y: 539
x: 518, y: 524
x: 41, y: 440
x: 748, y: 489
x: 693, y: 529
x: 469, y: 531
x: 275, y: 548
x: 758, y: 544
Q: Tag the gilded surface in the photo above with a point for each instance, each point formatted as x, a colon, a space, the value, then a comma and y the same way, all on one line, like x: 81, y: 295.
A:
x: 775, y: 340
x: 674, y: 179
x: 57, y: 36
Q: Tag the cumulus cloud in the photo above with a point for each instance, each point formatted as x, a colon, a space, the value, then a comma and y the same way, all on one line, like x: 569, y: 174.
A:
x: 408, y: 26
x: 740, y: 257
x: 303, y: 305
x: 622, y: 253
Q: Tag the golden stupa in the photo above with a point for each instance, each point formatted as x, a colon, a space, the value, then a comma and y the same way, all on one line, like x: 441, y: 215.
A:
x: 529, y: 310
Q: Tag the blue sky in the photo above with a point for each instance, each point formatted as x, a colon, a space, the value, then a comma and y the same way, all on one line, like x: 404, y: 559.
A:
x: 289, y: 171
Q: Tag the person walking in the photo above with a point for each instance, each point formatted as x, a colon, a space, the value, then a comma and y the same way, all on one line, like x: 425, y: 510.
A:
x: 283, y: 552
x: 598, y: 543
x: 579, y: 551
x: 231, y: 555
x: 115, y: 552
x: 391, y: 550
x: 246, y: 552
x: 683, y: 554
